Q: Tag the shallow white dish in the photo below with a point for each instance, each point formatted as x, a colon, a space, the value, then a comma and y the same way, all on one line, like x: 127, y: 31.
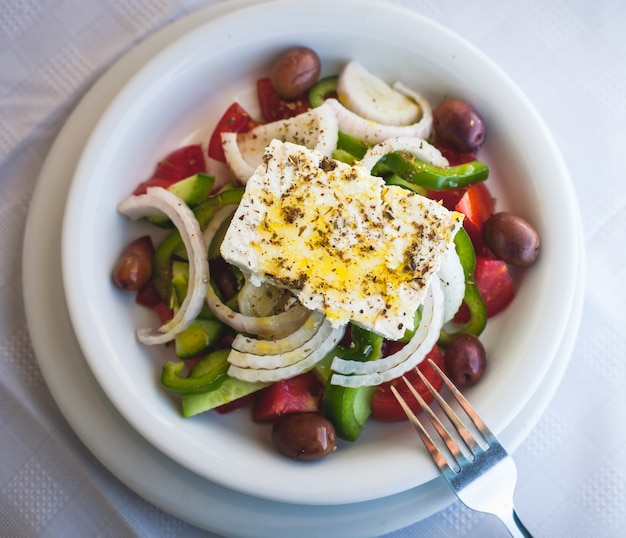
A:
x: 198, y: 76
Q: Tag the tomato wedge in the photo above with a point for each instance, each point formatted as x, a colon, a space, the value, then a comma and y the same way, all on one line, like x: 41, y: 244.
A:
x: 477, y: 206
x: 298, y: 394
x: 495, y: 285
x: 385, y: 405
x: 179, y: 164
x: 273, y: 107
x: 235, y: 120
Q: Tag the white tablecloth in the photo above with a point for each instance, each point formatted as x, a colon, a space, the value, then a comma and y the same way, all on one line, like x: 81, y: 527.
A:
x: 568, y: 56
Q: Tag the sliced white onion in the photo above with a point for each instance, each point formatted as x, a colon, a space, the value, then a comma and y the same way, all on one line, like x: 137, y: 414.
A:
x: 220, y: 216
x: 278, y: 374
x: 421, y: 149
x: 275, y: 326
x: 370, y: 373
x: 265, y: 299
x: 315, y: 129
x: 239, y: 166
x: 372, y: 98
x: 372, y: 132
x: 281, y: 359
x: 425, y: 123
x: 248, y: 344
x: 452, y: 279
x: 163, y: 201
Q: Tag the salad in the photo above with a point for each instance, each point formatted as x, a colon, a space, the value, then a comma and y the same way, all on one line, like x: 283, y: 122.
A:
x: 353, y: 238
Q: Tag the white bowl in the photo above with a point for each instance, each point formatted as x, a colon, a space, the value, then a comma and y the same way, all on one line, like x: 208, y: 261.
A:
x: 176, y: 99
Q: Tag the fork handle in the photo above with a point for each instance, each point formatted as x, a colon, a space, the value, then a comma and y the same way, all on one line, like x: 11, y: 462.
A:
x: 515, y: 526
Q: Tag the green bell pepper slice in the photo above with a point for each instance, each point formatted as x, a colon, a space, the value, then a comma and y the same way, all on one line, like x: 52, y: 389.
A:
x: 472, y: 297
x: 162, y: 259
x: 428, y: 175
x: 206, y: 376
x: 349, y: 149
x: 322, y: 89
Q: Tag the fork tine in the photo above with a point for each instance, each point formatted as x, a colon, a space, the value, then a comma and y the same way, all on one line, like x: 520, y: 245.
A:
x: 466, y: 435
x: 435, y: 453
x: 467, y: 408
x: 448, y: 440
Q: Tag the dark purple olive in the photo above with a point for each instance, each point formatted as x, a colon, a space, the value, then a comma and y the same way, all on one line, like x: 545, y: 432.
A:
x: 304, y: 436
x: 457, y: 126
x: 295, y: 72
x: 465, y: 360
x: 511, y: 239
x: 134, y: 266
x: 224, y: 278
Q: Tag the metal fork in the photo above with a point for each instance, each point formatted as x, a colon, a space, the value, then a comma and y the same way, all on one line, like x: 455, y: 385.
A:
x: 480, y: 472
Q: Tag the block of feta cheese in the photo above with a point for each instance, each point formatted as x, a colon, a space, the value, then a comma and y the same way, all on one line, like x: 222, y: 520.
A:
x: 340, y: 239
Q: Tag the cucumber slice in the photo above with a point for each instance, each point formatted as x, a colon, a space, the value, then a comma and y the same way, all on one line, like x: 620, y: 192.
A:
x: 180, y: 282
x: 348, y: 409
x: 198, y: 337
x: 230, y: 390
x: 191, y: 190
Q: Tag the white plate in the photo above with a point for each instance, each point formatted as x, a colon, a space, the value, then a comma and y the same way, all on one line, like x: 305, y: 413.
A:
x: 197, y: 77
x: 115, y: 443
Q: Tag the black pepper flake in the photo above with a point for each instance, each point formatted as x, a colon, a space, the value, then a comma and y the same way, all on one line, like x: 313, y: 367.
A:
x: 292, y: 213
x: 328, y: 165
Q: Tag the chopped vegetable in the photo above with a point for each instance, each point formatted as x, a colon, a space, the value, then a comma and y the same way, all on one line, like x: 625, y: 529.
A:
x: 372, y: 98
x: 206, y: 376
x: 235, y: 120
x: 274, y: 107
x: 314, y: 129
x: 179, y: 164
x: 476, y: 318
x: 298, y: 394
x: 159, y: 199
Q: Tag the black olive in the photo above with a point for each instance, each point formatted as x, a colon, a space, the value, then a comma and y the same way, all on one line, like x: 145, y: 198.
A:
x: 511, y: 239
x: 457, y: 126
x: 304, y: 436
x: 465, y: 360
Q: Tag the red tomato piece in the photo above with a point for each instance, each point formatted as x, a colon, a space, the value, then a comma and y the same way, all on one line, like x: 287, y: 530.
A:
x: 149, y: 297
x: 494, y: 283
x: 455, y: 158
x: 179, y: 164
x: 477, y: 206
x: 495, y: 286
x: 275, y: 108
x: 448, y: 197
x: 385, y: 405
x: 235, y: 120
x: 298, y: 394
